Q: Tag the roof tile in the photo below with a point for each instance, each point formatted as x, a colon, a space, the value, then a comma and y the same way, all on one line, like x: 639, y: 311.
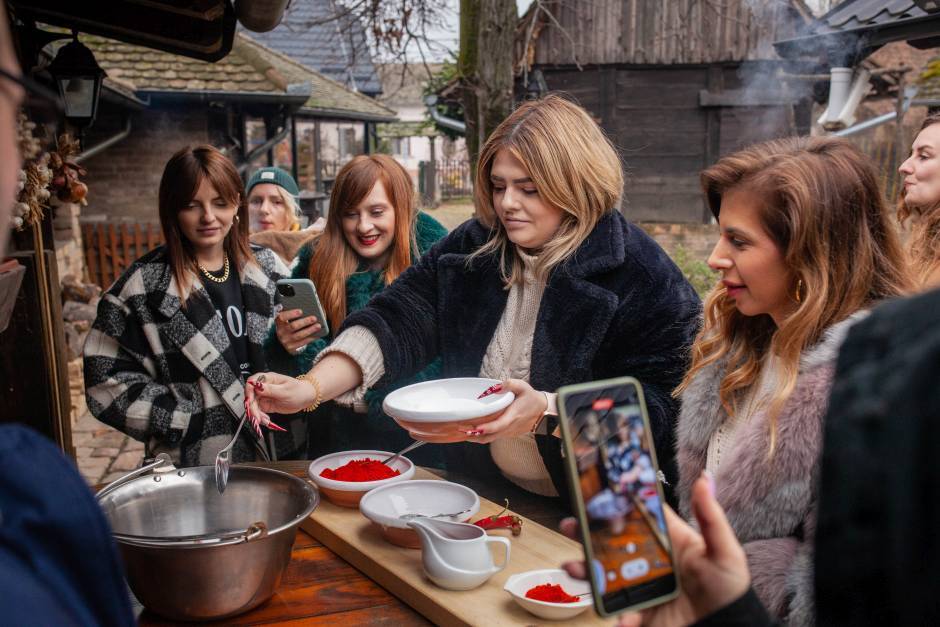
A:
x: 242, y: 71
x: 336, y: 48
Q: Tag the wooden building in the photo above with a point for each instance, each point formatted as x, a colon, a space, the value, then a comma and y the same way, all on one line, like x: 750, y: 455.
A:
x: 675, y: 83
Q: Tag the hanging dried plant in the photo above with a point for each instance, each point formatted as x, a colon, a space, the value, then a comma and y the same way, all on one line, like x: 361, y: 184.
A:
x: 35, y: 176
x: 65, y: 171
x: 45, y: 173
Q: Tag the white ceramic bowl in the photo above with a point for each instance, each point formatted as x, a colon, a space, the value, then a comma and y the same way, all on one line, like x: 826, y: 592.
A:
x: 384, y: 506
x: 517, y: 585
x: 433, y: 410
x: 348, y: 493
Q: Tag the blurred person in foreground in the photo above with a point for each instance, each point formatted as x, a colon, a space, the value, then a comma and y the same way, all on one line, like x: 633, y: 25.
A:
x: 58, y: 563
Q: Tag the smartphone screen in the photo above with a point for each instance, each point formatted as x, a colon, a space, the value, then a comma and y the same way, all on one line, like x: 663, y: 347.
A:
x: 614, y: 474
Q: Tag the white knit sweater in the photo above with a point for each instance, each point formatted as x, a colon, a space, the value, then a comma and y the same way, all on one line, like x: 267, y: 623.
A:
x: 508, y: 356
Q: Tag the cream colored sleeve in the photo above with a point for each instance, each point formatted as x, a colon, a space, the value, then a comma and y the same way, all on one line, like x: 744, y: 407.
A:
x: 359, y: 344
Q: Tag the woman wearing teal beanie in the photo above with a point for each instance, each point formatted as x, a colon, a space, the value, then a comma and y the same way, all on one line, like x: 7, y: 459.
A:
x: 273, y: 201
x: 373, y: 233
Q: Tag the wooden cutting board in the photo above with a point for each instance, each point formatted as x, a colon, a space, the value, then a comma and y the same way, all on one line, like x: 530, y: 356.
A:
x: 354, y: 538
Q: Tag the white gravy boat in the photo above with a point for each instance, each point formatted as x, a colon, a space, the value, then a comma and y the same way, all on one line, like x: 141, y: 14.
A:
x: 455, y: 555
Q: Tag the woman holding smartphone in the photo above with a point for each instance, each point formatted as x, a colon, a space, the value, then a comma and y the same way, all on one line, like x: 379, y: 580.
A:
x: 806, y: 246
x: 178, y: 333
x: 373, y: 234
x: 548, y: 286
x: 920, y: 202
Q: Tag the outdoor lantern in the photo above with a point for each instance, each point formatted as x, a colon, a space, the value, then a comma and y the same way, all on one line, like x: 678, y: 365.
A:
x: 78, y: 77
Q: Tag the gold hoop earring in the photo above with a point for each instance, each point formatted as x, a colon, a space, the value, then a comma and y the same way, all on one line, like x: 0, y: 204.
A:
x: 799, y: 287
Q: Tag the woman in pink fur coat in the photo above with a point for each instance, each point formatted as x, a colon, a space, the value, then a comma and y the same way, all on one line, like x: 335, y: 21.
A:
x: 806, y: 247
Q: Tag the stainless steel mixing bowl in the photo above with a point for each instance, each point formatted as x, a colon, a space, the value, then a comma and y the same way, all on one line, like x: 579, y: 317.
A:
x: 194, y: 554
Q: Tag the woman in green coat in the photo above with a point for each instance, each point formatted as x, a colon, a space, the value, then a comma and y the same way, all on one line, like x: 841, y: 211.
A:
x: 373, y: 234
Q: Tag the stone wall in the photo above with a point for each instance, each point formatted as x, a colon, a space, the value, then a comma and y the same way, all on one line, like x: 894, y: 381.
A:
x: 67, y: 233
x: 696, y: 239
x: 124, y: 180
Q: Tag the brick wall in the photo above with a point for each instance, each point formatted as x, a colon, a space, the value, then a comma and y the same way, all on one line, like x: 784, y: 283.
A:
x: 124, y: 179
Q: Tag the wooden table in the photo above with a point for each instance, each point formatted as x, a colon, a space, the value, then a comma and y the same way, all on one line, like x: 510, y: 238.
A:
x: 319, y: 588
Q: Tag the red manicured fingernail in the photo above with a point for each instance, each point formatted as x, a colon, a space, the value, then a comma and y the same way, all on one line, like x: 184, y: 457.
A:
x: 493, y: 389
x: 275, y: 427
x: 474, y: 432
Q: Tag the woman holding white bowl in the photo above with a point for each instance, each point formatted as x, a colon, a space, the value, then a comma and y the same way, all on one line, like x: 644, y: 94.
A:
x: 548, y: 286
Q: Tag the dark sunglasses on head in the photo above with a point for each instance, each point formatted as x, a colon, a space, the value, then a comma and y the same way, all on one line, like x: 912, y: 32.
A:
x: 38, y: 97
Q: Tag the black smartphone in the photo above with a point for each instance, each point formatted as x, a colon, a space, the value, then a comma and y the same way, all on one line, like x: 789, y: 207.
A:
x: 614, y: 478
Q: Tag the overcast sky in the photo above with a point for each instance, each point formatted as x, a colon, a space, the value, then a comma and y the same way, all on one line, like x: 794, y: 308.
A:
x: 449, y: 36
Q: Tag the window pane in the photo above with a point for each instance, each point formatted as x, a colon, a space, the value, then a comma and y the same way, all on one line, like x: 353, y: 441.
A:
x: 306, y: 175
x: 283, y: 158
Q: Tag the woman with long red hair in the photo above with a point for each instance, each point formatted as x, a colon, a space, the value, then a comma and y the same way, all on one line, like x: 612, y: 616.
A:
x: 373, y: 234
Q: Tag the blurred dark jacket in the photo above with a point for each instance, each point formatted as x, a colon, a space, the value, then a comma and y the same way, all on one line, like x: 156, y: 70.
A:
x: 58, y: 562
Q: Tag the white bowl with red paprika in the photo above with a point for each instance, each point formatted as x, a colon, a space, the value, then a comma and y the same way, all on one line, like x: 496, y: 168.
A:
x: 550, y: 593
x: 345, y: 477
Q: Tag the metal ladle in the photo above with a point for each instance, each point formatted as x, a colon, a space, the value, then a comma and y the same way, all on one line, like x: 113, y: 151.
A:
x: 408, y: 448
x: 222, y: 462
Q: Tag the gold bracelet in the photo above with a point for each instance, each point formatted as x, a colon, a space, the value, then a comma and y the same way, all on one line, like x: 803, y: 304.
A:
x: 316, y: 386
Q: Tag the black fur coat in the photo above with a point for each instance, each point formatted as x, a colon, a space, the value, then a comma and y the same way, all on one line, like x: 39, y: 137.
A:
x: 618, y: 306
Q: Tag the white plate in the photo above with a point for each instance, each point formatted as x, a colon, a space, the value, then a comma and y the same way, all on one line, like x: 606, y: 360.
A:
x: 517, y: 585
x: 386, y: 505
x: 445, y: 400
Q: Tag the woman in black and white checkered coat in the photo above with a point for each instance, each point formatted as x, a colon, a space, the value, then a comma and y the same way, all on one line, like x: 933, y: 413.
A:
x: 178, y: 334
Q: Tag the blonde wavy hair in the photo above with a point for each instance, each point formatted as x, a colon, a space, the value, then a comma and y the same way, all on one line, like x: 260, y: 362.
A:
x: 824, y: 210
x: 574, y: 167
x: 293, y: 209
x: 925, y: 228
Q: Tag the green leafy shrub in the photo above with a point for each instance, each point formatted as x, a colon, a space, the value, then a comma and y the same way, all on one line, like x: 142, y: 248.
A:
x: 696, y: 271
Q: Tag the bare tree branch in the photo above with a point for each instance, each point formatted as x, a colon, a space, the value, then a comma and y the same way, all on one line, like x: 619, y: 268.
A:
x: 563, y: 31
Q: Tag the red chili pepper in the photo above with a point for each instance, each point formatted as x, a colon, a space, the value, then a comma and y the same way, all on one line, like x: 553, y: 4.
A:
x: 499, y: 521
x: 493, y: 389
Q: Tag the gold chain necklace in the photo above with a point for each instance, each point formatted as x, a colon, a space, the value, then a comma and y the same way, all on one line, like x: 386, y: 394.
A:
x: 211, y: 276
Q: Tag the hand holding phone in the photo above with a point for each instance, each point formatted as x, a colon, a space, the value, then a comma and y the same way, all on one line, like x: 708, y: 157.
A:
x: 302, y: 318
x: 611, y: 464
x: 711, y: 563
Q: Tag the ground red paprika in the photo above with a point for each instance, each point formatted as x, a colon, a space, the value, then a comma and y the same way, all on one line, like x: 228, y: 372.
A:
x: 360, y: 470
x: 550, y: 592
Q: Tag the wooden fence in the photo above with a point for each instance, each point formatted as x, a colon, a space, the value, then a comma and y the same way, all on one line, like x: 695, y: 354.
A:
x: 453, y: 178
x: 111, y: 247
